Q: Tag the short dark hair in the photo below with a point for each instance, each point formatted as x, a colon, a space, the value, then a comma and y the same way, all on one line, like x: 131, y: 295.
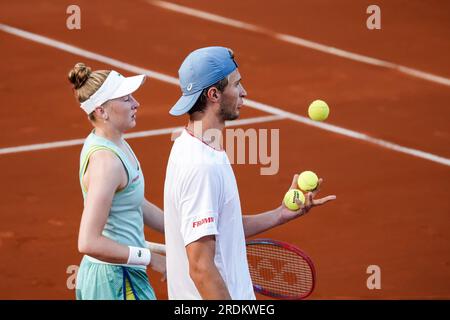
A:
x: 200, y: 104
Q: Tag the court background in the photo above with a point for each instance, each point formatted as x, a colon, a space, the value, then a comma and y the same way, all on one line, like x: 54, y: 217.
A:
x: 392, y: 208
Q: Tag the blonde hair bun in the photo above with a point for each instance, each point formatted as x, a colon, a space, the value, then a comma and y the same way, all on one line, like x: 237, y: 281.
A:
x: 79, y: 75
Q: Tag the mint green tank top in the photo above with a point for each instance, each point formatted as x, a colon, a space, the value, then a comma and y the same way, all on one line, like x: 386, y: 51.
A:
x: 125, y: 223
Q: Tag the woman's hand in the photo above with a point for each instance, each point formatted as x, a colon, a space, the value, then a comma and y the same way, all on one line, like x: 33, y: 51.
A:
x: 158, y: 263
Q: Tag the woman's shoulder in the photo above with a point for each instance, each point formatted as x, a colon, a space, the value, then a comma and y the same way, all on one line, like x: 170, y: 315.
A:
x: 98, y: 149
x: 92, y: 143
x: 106, y: 159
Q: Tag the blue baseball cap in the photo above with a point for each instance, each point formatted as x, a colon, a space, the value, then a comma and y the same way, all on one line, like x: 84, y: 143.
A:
x: 201, y: 69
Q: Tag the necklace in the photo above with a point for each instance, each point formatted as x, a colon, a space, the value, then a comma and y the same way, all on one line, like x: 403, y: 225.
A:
x: 202, y: 140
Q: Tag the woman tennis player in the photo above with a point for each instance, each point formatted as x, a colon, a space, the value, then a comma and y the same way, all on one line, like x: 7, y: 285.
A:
x: 111, y: 234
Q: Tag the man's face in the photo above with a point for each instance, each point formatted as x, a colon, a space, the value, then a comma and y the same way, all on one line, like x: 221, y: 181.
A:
x: 232, y: 97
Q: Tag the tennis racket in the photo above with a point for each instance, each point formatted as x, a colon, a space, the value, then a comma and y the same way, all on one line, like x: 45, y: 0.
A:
x: 278, y: 269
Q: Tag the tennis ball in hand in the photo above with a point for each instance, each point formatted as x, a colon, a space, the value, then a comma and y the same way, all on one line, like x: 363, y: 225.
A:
x: 307, y: 181
x: 291, y: 196
x: 318, y: 110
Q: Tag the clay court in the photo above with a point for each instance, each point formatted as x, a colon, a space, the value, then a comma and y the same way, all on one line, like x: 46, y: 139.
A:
x: 385, y: 153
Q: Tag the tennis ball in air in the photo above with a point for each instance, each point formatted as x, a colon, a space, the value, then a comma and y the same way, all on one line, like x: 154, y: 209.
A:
x: 291, y: 196
x: 318, y: 110
x: 307, y: 181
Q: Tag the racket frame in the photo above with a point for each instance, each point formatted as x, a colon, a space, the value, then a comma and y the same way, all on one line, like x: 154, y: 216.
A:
x: 297, y: 251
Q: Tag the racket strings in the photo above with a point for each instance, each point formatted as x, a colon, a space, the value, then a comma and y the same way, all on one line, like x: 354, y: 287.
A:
x: 279, y: 270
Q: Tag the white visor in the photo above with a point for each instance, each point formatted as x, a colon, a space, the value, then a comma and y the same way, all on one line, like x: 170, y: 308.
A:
x: 115, y: 86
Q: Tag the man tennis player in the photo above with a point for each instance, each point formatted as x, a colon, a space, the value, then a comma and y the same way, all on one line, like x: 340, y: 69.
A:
x: 205, y: 230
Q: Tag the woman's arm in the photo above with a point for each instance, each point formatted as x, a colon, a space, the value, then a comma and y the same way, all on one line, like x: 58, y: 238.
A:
x: 106, y: 176
x: 153, y: 216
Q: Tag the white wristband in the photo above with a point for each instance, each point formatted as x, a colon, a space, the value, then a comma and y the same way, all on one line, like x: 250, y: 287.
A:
x: 139, y: 256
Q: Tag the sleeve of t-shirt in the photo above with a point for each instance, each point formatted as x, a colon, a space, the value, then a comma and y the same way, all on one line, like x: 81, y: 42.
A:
x: 199, y: 204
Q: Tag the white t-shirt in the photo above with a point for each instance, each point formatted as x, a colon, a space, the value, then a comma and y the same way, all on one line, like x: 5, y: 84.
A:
x: 200, y: 199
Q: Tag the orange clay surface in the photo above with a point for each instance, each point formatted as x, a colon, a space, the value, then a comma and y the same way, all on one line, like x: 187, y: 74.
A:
x: 392, y: 209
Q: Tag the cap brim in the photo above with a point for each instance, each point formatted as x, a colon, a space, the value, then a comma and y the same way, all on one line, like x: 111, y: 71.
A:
x: 184, y: 104
x: 129, y: 85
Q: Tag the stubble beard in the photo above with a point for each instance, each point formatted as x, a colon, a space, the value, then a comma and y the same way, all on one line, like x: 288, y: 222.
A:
x: 228, y: 112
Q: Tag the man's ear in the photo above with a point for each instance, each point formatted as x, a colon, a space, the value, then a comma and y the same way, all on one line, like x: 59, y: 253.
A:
x: 213, y: 94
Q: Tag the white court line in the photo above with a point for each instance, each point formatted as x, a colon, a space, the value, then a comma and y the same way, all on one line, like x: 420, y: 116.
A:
x: 299, y: 41
x: 132, y: 135
x: 86, y: 54
x: 256, y: 105
x: 349, y: 133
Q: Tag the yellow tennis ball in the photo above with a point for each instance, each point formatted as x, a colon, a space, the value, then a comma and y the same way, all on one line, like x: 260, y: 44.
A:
x: 307, y: 181
x: 318, y: 110
x: 291, y: 196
